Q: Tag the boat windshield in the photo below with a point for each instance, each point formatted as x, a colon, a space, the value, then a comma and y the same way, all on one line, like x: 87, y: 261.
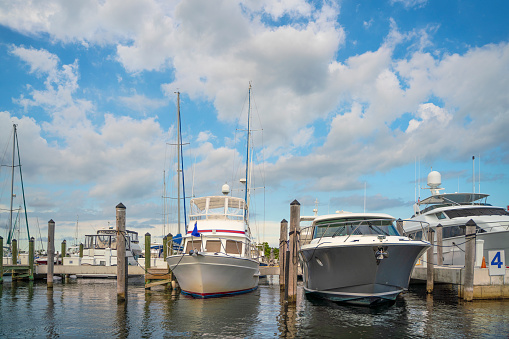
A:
x: 354, y: 226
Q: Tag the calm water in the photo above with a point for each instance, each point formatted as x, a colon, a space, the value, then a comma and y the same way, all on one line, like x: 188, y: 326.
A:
x: 88, y: 308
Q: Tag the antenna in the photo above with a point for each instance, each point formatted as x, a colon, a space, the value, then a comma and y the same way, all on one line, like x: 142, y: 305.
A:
x: 473, y: 174
x: 479, y: 173
x: 364, y: 197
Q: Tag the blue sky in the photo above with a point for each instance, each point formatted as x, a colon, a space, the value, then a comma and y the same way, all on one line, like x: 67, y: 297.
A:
x: 356, y: 99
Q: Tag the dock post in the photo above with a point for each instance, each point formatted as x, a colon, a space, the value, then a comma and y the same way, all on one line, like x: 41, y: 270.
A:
x: 1, y: 260
x: 14, y: 246
x: 147, y: 251
x: 165, y: 247
x: 470, y: 236
x: 81, y: 250
x: 283, y: 236
x: 63, y: 248
x: 430, y: 263
x: 294, y: 246
x: 51, y: 252
x: 31, y: 258
x: 399, y: 226
x: 121, y: 258
x: 440, y: 241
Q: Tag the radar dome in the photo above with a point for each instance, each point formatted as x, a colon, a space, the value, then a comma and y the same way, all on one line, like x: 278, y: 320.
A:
x: 434, y: 179
x: 225, y: 189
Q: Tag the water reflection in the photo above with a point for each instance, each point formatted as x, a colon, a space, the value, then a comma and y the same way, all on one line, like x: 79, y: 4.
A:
x: 50, y: 327
x: 121, y: 321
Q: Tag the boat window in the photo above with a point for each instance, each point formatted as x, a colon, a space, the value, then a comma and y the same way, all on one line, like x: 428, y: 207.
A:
x: 440, y: 215
x: 113, y: 243
x: 213, y: 246
x: 193, y: 245
x: 102, y: 241
x: 475, y: 211
x: 233, y: 247
x: 457, y: 231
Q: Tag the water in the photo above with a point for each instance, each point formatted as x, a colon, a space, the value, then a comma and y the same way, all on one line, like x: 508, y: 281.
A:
x: 88, y: 308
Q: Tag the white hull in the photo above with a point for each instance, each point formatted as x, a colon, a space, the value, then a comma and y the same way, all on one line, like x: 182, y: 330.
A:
x: 205, y: 275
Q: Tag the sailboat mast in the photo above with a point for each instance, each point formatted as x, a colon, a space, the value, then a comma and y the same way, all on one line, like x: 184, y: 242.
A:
x: 178, y: 161
x: 12, y: 175
x: 248, y: 155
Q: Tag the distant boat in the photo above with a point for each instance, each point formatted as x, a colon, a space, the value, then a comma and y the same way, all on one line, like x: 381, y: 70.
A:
x: 454, y: 210
x: 357, y: 258
x: 217, y: 257
x: 100, y: 249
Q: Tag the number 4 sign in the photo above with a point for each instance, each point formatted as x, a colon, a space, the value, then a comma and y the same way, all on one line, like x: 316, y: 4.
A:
x: 497, y: 264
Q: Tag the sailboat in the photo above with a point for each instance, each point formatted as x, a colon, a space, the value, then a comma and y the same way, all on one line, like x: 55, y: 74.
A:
x: 12, y: 227
x: 217, y: 254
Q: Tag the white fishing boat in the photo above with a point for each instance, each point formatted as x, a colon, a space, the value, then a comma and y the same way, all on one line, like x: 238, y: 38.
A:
x: 100, y: 249
x: 453, y: 211
x: 358, y: 258
x: 218, y: 256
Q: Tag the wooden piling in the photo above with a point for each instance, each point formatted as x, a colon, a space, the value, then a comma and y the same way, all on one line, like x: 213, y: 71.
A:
x: 283, y: 237
x: 165, y: 247
x: 31, y: 259
x: 147, y: 250
x: 1, y: 260
x: 121, y: 258
x: 470, y: 236
x: 399, y: 226
x: 294, y: 243
x: 440, y: 242
x: 430, y: 264
x: 81, y: 250
x: 14, y: 251
x: 51, y: 253
x: 63, y: 248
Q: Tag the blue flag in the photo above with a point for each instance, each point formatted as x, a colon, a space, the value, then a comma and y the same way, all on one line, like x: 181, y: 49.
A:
x: 195, y: 230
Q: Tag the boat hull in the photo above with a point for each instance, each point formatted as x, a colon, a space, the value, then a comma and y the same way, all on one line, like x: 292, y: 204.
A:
x: 205, y: 275
x: 352, y: 273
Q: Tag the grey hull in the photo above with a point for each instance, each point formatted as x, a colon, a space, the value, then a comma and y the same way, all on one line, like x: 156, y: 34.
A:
x: 353, y: 274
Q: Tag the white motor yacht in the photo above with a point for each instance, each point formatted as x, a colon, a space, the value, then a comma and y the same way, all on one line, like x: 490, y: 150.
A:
x: 218, y: 255
x: 453, y: 211
x: 357, y: 258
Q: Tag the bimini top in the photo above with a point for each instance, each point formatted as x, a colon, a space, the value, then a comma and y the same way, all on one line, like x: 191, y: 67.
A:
x: 453, y: 198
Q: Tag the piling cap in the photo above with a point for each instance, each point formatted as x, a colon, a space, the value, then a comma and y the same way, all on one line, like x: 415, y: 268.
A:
x: 51, y: 221
x: 295, y: 202
x: 120, y: 205
x: 471, y: 223
x: 284, y: 221
x: 147, y: 234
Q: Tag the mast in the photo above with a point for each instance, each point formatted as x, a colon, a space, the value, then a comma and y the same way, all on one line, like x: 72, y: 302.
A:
x: 12, y: 176
x: 178, y: 161
x: 248, y: 158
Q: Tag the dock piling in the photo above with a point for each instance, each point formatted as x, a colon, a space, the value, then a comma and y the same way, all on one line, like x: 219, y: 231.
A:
x: 294, y: 243
x: 51, y: 253
x: 121, y: 258
x: 440, y: 250
x: 31, y: 259
x: 147, y: 250
x: 14, y: 251
x: 63, y: 248
x: 430, y: 264
x: 1, y: 260
x: 470, y: 237
x: 283, y: 236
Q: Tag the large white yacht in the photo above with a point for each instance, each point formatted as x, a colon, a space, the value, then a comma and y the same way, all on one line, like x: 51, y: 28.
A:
x: 357, y: 258
x: 453, y: 211
x: 218, y: 257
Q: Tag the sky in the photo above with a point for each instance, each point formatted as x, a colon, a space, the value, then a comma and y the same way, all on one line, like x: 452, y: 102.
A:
x: 352, y: 103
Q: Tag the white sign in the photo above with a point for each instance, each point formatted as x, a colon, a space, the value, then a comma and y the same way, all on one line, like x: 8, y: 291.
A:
x: 497, y: 262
